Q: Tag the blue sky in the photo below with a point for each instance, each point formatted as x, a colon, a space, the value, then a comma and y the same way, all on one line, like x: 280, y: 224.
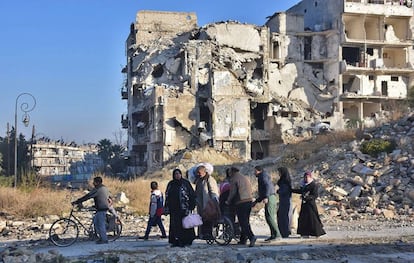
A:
x: 69, y: 54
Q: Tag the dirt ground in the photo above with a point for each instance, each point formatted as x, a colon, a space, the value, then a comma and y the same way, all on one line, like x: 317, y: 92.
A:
x: 357, y: 241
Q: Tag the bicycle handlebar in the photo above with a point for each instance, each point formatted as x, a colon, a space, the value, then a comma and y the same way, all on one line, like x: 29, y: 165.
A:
x: 81, y: 208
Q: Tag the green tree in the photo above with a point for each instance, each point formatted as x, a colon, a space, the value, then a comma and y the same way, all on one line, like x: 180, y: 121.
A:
x: 112, y: 156
x: 105, y: 150
x: 117, y: 161
x: 7, y: 155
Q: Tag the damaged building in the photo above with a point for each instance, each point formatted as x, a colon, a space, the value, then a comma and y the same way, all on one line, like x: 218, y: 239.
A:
x: 246, y: 89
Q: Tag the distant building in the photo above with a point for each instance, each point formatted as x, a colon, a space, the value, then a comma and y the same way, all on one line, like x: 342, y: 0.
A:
x: 57, y: 158
x: 247, y: 89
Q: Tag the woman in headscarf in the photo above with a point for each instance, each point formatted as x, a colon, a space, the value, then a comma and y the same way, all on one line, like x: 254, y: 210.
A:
x: 180, y: 200
x: 285, y: 193
x: 309, y: 223
x: 206, y: 189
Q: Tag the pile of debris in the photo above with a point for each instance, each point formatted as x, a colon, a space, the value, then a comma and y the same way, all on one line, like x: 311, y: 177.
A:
x: 354, y: 185
x: 359, y: 186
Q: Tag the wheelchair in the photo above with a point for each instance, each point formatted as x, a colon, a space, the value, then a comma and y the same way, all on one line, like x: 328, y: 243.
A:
x: 224, y: 231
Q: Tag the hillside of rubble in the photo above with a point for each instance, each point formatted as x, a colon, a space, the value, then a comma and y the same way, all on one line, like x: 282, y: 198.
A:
x: 366, y: 202
x: 354, y: 185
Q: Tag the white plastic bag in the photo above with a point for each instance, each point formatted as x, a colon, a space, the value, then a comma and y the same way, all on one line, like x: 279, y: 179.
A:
x: 192, y: 220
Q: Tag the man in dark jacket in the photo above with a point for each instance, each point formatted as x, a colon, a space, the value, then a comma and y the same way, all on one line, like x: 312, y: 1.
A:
x: 100, y: 195
x: 267, y: 195
x: 241, y: 195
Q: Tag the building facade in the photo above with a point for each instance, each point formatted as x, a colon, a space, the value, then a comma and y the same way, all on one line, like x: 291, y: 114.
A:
x: 367, y: 52
x: 57, y: 158
x: 247, y: 89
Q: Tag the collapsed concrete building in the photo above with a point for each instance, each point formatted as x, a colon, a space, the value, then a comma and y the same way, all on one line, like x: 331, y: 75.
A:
x: 247, y: 89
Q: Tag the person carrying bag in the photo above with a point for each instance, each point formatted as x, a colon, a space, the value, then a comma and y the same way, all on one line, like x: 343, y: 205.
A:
x: 211, y: 211
x: 207, y: 202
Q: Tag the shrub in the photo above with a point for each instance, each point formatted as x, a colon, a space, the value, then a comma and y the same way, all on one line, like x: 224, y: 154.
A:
x: 353, y: 124
x: 375, y: 146
x: 6, y: 181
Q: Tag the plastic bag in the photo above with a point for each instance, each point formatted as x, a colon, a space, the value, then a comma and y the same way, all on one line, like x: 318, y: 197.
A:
x: 192, y: 220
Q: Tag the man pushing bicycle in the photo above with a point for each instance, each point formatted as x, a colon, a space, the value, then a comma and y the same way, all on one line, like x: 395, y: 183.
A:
x: 100, y: 195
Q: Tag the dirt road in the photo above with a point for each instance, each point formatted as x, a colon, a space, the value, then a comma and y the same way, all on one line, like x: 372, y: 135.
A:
x: 348, y: 242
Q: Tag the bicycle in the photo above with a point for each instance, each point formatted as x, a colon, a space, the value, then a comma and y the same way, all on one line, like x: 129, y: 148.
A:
x: 65, y: 231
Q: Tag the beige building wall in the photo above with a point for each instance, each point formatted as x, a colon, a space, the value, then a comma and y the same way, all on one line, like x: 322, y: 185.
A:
x: 153, y: 25
x: 245, y: 89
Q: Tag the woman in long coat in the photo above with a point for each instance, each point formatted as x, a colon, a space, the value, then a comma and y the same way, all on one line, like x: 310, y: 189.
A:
x: 309, y: 222
x: 285, y: 193
x: 180, y: 200
x: 206, y: 188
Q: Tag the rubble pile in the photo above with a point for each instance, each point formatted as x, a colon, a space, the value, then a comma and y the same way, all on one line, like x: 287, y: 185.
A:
x: 358, y: 191
x: 359, y: 186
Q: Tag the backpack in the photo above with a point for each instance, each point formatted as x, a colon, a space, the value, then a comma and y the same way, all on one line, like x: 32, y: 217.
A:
x: 160, y: 205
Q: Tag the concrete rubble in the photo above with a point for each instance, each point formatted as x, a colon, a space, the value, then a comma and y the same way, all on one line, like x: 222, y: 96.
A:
x: 355, y: 187
x: 246, y: 89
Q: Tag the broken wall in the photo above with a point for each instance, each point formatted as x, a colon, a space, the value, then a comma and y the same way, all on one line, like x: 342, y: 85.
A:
x: 319, y: 15
x: 235, y: 35
x: 179, y: 121
x: 153, y: 25
x: 285, y: 23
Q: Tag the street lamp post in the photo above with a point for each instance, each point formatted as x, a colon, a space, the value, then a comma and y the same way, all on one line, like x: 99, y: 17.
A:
x: 25, y: 108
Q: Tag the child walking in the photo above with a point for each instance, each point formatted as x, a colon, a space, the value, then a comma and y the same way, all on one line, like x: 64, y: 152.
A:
x: 156, y: 209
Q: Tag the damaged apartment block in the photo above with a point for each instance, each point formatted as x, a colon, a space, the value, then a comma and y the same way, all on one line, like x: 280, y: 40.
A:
x: 246, y: 89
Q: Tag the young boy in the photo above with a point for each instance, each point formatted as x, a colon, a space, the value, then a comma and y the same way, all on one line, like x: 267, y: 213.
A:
x: 156, y: 208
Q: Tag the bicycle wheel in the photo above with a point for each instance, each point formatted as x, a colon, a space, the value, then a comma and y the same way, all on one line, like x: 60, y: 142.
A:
x: 114, y: 229
x: 223, y: 231
x: 64, y: 232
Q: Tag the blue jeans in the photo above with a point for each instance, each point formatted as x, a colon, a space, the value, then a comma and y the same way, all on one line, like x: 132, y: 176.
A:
x: 99, y: 223
x: 155, y: 221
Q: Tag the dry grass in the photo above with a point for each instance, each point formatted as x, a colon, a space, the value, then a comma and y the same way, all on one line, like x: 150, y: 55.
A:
x: 43, y: 201
x: 39, y: 202
x: 138, y: 191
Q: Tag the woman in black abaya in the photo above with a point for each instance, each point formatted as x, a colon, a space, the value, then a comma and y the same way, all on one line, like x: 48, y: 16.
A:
x: 309, y: 223
x: 179, y: 202
x: 285, y: 193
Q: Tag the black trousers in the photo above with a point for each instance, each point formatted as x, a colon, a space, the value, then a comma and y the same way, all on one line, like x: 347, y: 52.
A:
x: 243, y: 214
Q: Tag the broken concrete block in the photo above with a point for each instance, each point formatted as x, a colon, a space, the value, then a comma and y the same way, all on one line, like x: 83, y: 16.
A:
x: 369, y: 180
x: 389, y: 214
x: 411, y: 195
x: 339, y: 192
x: 356, y: 191
x: 363, y: 170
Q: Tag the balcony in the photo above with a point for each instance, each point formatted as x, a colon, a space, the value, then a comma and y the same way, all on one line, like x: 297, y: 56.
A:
x: 379, y: 7
x: 124, y: 121
x: 124, y: 93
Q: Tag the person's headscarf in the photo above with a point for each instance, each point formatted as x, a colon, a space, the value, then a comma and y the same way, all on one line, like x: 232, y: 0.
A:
x: 284, y: 176
x: 308, y: 174
x: 176, y: 170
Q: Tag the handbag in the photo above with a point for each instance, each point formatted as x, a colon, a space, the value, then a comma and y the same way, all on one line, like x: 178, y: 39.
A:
x: 211, y: 211
x: 192, y: 220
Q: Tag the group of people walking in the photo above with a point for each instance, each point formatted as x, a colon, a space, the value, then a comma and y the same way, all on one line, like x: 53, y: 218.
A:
x: 235, y: 198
